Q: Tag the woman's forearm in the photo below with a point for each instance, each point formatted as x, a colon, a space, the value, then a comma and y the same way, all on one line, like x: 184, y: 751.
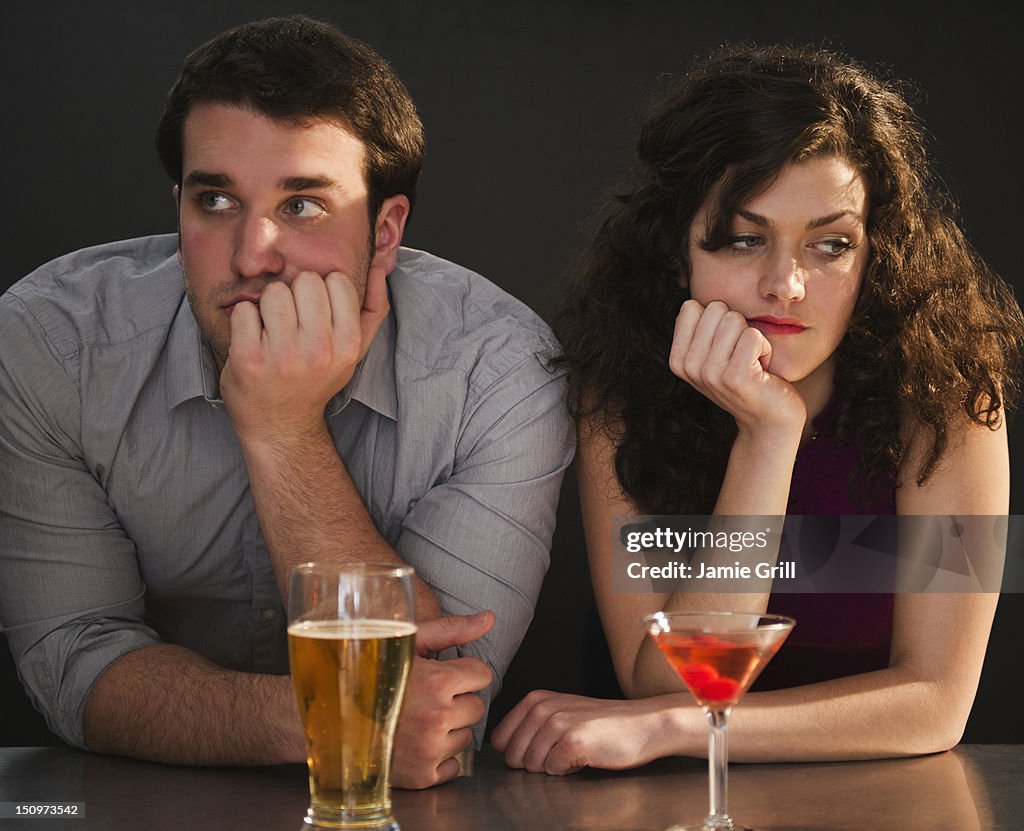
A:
x: 874, y: 715
x: 754, y: 493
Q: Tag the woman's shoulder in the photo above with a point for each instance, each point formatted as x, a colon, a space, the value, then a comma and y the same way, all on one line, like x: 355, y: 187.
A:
x: 971, y: 476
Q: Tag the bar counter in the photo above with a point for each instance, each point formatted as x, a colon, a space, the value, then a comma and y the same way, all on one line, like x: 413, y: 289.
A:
x: 971, y: 787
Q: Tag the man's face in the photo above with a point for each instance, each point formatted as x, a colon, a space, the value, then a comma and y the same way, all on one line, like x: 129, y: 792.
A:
x: 262, y: 200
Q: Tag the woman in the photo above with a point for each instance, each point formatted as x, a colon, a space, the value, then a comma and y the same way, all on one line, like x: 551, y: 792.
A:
x: 778, y: 313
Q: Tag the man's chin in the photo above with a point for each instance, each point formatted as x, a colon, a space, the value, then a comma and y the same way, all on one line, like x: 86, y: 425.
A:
x: 217, y: 343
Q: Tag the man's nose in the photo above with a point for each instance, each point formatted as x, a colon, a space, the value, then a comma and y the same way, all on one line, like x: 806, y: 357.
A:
x: 257, y: 247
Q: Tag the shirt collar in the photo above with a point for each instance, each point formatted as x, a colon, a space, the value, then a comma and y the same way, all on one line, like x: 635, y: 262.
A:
x: 192, y: 372
x: 373, y: 384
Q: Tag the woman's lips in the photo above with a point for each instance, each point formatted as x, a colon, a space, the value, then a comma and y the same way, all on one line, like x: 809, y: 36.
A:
x: 777, y: 325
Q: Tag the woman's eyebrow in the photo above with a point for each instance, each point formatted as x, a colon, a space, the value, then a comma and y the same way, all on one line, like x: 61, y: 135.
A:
x: 757, y: 219
x: 765, y: 222
x: 828, y: 220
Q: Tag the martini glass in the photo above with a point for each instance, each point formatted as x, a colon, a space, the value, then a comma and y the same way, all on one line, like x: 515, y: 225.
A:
x: 718, y: 655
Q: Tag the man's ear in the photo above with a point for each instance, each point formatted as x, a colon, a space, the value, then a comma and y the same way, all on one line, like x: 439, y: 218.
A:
x: 391, y: 219
x: 176, y: 193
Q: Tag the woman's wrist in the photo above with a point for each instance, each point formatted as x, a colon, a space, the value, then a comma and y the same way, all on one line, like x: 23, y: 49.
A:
x: 679, y: 727
x: 770, y: 438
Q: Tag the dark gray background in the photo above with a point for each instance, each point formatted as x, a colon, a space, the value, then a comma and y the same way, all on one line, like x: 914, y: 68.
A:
x: 530, y: 110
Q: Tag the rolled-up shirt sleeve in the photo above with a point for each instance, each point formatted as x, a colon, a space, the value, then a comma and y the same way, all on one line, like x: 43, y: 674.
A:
x: 71, y: 596
x: 482, y: 538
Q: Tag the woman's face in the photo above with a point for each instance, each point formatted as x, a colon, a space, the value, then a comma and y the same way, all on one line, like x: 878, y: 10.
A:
x: 793, y: 265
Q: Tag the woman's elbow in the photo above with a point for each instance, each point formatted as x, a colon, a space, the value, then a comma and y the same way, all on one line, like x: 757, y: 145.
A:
x: 639, y: 682
x: 936, y: 740
x: 938, y: 726
x: 947, y: 733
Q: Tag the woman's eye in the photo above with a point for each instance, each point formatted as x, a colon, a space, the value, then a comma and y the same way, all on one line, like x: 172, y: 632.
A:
x: 214, y: 202
x: 304, y: 208
x: 745, y: 243
x: 834, y: 247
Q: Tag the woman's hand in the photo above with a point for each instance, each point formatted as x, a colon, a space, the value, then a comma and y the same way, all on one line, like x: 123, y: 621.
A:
x: 718, y: 353
x: 549, y: 732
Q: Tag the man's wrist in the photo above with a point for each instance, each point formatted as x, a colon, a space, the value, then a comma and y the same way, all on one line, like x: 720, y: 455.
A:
x: 283, y: 441
x: 290, y: 744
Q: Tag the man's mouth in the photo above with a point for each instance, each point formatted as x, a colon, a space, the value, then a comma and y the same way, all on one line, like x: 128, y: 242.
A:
x: 229, y: 307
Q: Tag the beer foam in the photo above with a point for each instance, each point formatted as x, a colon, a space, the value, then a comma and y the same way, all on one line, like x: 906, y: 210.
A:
x: 352, y: 629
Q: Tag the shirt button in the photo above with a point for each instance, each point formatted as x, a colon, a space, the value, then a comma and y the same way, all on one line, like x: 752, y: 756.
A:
x: 269, y: 614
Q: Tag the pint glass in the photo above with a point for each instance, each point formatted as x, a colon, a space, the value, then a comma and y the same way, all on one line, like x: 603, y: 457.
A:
x: 350, y: 640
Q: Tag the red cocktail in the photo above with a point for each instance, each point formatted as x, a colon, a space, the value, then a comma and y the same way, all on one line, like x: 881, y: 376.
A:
x: 718, y: 655
x: 715, y: 669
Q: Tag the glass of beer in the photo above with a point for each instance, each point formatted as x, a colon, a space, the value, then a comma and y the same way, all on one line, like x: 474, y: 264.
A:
x: 350, y: 640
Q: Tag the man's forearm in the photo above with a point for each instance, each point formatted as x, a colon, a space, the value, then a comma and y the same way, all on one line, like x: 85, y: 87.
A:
x: 168, y: 704
x: 310, y: 510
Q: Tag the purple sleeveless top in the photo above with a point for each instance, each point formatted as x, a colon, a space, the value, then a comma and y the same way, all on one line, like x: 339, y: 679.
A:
x: 836, y: 634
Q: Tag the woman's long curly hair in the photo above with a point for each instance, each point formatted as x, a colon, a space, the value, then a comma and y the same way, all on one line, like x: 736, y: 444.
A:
x: 934, y: 331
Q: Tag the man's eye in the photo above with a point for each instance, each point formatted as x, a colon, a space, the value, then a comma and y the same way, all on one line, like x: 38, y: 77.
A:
x: 212, y: 201
x: 304, y: 208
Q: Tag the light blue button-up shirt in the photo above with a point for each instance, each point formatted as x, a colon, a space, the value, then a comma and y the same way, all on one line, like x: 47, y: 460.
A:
x: 126, y: 517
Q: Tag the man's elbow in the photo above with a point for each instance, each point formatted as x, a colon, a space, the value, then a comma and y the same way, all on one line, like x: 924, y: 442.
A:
x: 97, y: 735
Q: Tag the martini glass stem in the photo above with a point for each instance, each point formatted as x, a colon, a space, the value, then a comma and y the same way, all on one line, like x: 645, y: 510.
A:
x: 718, y: 769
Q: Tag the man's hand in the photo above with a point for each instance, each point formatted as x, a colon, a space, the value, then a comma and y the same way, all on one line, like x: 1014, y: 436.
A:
x: 298, y: 348
x: 441, y: 703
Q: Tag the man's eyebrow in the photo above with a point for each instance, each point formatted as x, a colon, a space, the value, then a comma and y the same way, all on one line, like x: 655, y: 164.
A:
x: 204, y: 178
x: 307, y: 183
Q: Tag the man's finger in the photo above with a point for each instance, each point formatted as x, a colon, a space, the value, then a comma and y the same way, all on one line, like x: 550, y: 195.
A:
x: 312, y: 304
x: 434, y: 635
x: 375, y: 304
x: 277, y: 309
x: 375, y: 300
x: 344, y: 302
x: 246, y: 328
x: 447, y: 770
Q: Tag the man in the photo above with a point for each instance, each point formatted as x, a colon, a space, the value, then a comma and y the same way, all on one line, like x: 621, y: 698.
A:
x: 182, y: 420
